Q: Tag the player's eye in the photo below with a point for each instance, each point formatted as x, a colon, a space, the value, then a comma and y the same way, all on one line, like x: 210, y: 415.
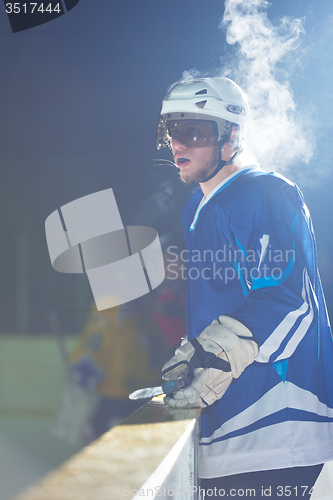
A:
x: 194, y: 133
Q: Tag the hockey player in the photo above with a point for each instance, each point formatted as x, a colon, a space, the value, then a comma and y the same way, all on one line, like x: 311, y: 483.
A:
x: 259, y: 343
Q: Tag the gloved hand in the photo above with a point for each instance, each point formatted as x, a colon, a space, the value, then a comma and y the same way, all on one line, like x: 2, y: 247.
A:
x: 219, y: 354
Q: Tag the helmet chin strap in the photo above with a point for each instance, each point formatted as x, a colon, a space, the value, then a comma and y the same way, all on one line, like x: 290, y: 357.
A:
x: 219, y: 167
x: 222, y: 163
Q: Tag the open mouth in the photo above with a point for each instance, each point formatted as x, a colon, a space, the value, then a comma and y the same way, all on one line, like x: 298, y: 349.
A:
x: 182, y: 161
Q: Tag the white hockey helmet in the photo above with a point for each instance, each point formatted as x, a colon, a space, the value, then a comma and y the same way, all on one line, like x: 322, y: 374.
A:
x: 215, y: 99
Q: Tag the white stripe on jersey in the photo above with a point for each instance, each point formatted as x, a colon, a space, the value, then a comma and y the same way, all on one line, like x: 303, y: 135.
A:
x: 253, y: 451
x: 283, y: 395
x: 273, y: 342
x: 303, y: 327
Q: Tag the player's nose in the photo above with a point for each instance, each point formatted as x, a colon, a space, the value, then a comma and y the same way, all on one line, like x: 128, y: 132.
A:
x: 178, y: 146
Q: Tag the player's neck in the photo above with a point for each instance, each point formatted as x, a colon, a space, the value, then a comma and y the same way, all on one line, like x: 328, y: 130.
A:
x: 207, y: 187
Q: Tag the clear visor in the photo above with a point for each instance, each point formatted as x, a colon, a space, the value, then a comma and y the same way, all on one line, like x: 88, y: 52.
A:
x: 192, y: 133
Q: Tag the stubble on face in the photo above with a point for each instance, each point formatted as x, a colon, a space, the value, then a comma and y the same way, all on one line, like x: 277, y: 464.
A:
x: 206, y: 168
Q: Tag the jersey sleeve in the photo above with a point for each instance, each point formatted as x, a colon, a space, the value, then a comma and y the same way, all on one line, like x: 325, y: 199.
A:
x: 275, y: 262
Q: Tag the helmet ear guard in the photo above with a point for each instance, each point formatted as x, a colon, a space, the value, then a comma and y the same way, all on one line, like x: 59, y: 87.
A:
x: 223, y: 141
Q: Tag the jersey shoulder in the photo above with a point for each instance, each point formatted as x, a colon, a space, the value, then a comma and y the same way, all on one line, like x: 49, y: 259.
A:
x: 256, y: 197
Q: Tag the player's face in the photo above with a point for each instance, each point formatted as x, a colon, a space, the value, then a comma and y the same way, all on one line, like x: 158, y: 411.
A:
x: 195, y: 148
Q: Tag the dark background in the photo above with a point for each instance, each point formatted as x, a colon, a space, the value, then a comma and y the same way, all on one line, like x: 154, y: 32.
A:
x: 79, y: 102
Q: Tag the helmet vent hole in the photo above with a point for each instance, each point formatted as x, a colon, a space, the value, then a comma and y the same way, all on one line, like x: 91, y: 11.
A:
x: 201, y: 104
x: 201, y: 92
x: 238, y: 110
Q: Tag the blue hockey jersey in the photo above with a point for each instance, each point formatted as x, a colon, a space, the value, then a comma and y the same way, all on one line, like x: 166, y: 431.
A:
x: 252, y: 255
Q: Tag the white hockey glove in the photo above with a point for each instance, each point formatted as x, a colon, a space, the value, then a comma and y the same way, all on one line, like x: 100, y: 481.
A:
x: 219, y: 354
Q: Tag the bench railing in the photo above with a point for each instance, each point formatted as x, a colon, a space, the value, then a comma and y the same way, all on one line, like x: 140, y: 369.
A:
x: 152, y: 454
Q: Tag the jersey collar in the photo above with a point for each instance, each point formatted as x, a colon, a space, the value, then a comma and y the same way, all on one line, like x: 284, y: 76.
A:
x: 220, y: 187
